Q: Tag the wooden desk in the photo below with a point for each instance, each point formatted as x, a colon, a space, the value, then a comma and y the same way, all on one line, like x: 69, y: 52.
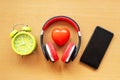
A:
x: 88, y: 14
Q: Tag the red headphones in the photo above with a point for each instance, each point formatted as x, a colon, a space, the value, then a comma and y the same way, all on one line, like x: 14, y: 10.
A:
x: 48, y: 49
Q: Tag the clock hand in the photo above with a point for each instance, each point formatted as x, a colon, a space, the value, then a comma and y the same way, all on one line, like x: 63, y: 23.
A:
x: 23, y: 42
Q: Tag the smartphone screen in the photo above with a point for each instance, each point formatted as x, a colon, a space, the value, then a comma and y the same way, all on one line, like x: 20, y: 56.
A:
x: 96, y: 47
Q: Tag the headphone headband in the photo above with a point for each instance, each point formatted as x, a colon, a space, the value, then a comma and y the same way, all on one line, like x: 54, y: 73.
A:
x: 66, y: 19
x: 61, y: 18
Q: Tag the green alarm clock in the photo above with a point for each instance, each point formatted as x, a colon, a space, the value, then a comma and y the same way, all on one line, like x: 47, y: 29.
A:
x: 23, y: 42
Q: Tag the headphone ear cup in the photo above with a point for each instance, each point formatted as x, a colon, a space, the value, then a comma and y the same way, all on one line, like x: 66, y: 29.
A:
x: 69, y: 51
x: 51, y: 52
x: 73, y: 54
x: 45, y: 52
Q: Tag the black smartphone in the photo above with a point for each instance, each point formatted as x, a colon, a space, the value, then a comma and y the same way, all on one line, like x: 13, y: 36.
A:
x: 96, y: 47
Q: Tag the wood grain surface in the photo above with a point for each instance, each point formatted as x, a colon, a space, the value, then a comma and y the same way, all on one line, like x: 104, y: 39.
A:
x: 87, y: 13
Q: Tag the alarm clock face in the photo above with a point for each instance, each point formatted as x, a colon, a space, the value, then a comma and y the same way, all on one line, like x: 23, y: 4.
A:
x: 23, y: 43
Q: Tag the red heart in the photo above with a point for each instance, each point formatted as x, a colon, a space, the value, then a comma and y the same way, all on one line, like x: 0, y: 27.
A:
x: 60, y: 35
